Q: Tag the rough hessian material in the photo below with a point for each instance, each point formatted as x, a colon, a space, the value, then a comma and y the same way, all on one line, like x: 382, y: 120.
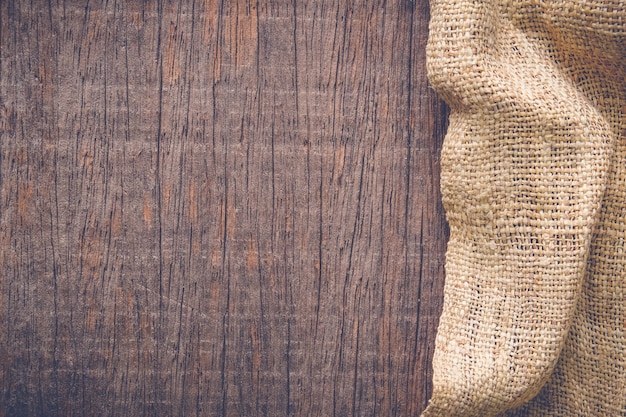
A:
x: 534, y: 186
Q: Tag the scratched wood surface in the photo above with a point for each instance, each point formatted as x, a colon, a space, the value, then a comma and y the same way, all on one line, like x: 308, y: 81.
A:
x: 217, y: 208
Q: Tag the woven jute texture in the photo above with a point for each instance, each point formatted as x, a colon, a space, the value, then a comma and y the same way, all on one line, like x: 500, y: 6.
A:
x: 534, y: 186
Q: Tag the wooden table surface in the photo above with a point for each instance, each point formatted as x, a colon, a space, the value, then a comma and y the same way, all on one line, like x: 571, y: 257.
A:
x: 218, y: 208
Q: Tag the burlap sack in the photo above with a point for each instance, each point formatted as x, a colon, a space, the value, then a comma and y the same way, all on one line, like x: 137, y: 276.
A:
x: 534, y: 186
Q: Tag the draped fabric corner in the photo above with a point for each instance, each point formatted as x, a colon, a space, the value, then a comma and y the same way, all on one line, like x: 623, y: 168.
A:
x: 534, y: 186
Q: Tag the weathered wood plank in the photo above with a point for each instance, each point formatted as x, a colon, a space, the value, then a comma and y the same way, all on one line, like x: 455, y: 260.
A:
x: 217, y: 208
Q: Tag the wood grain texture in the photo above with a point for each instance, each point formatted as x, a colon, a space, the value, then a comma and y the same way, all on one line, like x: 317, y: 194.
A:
x: 218, y: 208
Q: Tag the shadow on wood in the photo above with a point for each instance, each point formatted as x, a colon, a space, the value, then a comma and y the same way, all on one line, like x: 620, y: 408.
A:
x: 218, y: 208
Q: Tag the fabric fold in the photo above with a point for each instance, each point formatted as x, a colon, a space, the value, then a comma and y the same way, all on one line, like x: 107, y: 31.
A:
x: 533, y: 184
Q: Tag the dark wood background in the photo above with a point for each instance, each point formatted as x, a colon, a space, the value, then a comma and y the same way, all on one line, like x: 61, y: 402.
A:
x: 218, y: 208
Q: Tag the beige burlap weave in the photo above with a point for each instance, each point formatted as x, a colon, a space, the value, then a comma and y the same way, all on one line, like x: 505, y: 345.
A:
x: 534, y: 187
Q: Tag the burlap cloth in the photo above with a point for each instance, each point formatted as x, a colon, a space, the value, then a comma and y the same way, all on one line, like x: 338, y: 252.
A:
x: 534, y: 187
